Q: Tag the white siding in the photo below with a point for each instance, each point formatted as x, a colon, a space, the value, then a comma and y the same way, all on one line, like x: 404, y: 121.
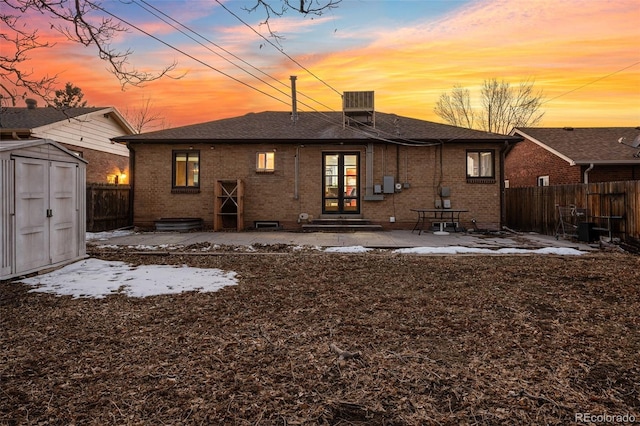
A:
x: 91, y: 131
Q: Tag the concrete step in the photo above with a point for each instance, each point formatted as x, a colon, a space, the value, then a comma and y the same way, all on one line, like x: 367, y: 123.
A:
x: 340, y: 225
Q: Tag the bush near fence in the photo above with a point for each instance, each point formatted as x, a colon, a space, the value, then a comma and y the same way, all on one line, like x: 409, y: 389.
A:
x: 534, y: 209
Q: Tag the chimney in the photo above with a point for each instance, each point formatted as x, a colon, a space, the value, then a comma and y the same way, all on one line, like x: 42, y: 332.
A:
x: 31, y: 103
x: 294, y: 101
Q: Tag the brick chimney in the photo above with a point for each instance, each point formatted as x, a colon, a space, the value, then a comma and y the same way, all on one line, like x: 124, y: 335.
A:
x: 31, y: 103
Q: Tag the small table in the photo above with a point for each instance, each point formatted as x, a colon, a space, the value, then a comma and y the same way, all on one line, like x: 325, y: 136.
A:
x: 443, y: 216
x: 609, y: 228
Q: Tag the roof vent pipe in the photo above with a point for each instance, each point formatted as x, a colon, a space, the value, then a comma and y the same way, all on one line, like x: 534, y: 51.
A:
x: 294, y: 101
x: 31, y: 103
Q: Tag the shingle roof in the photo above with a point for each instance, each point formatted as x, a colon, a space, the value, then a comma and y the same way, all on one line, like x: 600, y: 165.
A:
x: 10, y: 145
x: 26, y: 118
x: 597, y: 145
x: 312, y: 126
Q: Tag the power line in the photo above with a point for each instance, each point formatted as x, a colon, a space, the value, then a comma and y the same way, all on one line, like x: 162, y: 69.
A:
x: 278, y: 49
x: 221, y: 48
x: 324, y: 116
x: 189, y: 55
x: 592, y: 82
x: 203, y: 45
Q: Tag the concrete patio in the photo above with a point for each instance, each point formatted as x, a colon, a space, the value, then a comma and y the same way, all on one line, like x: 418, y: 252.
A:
x: 369, y: 239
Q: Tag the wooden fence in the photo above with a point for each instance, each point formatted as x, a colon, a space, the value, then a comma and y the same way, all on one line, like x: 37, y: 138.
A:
x: 536, y: 208
x: 108, y: 207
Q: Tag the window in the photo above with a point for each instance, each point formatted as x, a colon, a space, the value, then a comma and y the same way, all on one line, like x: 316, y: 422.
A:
x: 186, y: 169
x: 265, y: 161
x: 543, y: 180
x: 480, y: 164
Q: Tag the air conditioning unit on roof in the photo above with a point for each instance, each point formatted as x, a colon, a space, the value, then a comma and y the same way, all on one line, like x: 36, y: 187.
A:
x: 358, y: 108
x: 357, y: 101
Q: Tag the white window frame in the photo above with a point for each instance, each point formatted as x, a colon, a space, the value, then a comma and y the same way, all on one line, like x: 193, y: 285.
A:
x: 543, y: 180
x: 265, y: 161
x: 480, y: 164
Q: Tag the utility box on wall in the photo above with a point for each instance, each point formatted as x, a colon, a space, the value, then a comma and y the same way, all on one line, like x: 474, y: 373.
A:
x: 388, y: 185
x: 42, y: 216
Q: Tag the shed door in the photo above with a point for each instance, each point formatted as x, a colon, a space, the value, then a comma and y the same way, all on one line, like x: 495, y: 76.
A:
x: 63, y: 224
x: 46, y: 217
x: 32, y: 226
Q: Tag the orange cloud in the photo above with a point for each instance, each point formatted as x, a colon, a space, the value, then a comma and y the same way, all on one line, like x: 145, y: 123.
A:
x: 581, y: 53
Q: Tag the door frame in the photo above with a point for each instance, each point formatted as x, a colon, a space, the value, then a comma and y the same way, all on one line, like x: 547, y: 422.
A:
x: 345, y: 190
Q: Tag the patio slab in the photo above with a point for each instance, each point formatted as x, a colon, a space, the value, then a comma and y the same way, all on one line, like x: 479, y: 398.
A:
x: 370, y: 239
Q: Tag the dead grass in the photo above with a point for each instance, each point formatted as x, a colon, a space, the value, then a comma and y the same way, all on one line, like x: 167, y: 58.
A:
x: 441, y: 340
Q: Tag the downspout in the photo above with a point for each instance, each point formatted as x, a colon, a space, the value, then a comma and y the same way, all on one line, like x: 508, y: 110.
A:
x: 132, y: 175
x: 397, y: 163
x: 296, y: 173
x: 503, y: 208
x: 369, y: 172
x: 585, y: 180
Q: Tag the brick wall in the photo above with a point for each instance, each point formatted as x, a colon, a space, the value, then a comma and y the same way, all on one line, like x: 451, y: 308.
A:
x: 614, y: 173
x: 102, y: 164
x: 527, y: 161
x: 272, y: 196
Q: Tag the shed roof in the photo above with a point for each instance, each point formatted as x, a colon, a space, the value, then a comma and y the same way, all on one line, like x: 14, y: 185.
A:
x: 587, y: 145
x: 314, y: 126
x: 13, y: 145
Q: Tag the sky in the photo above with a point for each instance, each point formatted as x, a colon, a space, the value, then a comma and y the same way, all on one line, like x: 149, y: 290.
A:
x: 584, y: 55
x: 96, y: 278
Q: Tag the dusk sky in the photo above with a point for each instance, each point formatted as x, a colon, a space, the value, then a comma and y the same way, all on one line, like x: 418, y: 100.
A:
x: 583, y: 54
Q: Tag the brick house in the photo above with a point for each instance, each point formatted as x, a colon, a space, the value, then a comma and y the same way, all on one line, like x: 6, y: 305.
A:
x: 87, y: 132
x: 266, y: 168
x: 561, y: 156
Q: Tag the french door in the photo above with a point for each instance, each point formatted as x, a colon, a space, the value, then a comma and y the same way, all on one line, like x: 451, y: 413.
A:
x: 341, y: 184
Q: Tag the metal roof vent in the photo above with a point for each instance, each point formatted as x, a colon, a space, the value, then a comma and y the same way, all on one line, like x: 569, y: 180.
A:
x: 358, y: 108
x: 31, y: 103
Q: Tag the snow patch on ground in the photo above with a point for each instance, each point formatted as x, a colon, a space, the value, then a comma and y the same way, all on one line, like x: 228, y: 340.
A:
x: 347, y: 249
x: 95, y: 278
x: 473, y: 250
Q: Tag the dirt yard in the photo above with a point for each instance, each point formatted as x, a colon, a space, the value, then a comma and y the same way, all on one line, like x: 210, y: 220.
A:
x: 333, y: 339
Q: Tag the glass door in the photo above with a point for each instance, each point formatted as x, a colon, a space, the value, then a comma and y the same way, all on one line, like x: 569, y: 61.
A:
x: 341, y: 183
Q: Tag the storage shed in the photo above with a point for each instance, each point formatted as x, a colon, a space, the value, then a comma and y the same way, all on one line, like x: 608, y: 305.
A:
x: 42, y: 215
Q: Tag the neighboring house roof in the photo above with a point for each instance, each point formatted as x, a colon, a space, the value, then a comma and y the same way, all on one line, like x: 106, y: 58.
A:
x: 314, y: 126
x: 90, y: 128
x: 32, y: 118
x: 590, y: 145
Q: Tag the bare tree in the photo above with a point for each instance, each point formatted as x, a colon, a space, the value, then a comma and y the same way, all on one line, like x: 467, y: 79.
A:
x: 455, y: 108
x: 78, y: 21
x: 501, y: 107
x: 145, y: 118
x: 305, y: 7
x: 88, y: 23
x: 15, y: 80
x: 504, y: 107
